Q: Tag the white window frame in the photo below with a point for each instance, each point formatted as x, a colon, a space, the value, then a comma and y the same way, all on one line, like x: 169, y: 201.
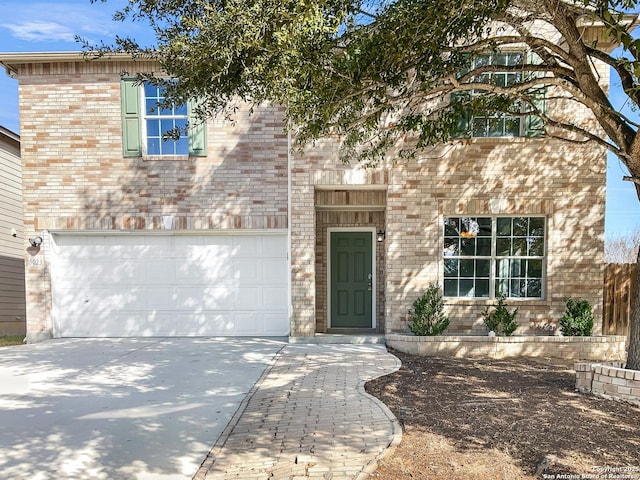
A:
x: 146, y: 116
x: 494, y: 258
x: 521, y: 119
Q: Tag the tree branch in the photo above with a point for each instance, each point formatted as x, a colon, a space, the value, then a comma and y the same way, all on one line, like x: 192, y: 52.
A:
x: 635, y: 180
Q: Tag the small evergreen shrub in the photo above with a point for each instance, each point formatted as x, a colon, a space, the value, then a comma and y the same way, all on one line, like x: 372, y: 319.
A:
x: 426, y: 316
x: 500, y: 320
x: 577, y: 319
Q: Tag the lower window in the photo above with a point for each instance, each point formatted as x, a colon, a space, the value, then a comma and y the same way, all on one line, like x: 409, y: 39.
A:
x: 488, y: 256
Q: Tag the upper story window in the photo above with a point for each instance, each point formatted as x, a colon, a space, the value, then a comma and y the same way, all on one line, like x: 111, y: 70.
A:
x: 158, y: 121
x: 145, y: 124
x: 498, y: 125
x: 487, y: 256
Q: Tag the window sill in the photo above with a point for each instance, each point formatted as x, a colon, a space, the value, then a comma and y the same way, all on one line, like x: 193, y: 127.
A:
x: 522, y: 139
x: 492, y: 301
x: 166, y: 158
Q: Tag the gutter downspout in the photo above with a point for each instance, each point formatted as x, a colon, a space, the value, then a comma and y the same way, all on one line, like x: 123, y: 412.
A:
x: 289, y: 293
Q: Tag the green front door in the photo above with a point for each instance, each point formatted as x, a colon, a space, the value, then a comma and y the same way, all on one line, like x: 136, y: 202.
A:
x: 351, y: 279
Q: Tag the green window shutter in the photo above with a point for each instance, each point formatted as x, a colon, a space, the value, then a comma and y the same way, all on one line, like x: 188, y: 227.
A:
x: 463, y: 121
x: 131, y: 118
x: 534, y: 125
x: 197, y: 132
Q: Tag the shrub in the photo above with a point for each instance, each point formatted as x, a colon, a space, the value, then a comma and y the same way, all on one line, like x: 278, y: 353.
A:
x: 577, y: 319
x: 500, y: 320
x: 426, y: 316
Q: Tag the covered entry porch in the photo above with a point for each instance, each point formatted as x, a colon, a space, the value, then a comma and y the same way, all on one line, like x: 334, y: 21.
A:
x: 350, y: 261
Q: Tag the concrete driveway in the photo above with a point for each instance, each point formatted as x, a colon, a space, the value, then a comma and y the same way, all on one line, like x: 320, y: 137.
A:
x: 121, y: 408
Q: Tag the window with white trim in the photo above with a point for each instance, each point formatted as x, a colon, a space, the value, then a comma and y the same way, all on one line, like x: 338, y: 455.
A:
x: 487, y: 256
x: 500, y: 125
x: 145, y: 124
x: 159, y: 121
x: 497, y: 125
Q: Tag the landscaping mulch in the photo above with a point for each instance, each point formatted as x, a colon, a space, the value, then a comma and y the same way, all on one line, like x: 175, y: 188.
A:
x: 503, y: 419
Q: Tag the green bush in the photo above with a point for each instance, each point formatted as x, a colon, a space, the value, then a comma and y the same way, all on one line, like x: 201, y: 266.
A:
x: 426, y: 316
x: 577, y: 319
x: 500, y: 320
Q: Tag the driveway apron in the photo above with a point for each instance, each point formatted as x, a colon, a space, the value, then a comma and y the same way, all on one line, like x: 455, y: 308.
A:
x: 121, y: 408
x: 309, y: 417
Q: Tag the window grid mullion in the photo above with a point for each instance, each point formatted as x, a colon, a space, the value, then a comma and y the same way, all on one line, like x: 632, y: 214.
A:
x: 521, y: 263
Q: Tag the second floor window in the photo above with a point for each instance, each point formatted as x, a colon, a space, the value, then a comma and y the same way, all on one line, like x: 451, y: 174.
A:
x: 145, y: 124
x: 161, y: 120
x: 500, y: 124
x: 497, y: 125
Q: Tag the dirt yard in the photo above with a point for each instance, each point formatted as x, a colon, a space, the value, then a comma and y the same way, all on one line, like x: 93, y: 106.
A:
x: 515, y: 419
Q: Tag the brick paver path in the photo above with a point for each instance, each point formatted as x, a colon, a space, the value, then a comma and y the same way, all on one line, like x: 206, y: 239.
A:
x: 309, y: 417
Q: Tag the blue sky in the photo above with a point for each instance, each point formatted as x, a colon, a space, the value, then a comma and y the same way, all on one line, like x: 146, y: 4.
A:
x: 39, y: 26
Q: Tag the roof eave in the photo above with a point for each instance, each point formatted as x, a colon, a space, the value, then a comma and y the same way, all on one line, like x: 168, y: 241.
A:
x: 11, y: 60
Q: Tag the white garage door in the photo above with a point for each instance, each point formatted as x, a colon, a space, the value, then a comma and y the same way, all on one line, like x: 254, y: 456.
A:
x: 158, y: 285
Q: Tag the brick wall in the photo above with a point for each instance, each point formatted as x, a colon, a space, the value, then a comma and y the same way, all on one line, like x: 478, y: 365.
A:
x: 562, y: 181
x: 76, y: 178
x: 608, y: 380
x: 600, y: 348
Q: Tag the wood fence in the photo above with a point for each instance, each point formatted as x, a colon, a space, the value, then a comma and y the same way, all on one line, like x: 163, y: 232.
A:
x: 619, y: 285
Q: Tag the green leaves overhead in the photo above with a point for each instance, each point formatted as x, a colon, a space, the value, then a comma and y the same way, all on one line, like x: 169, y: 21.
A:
x: 381, y: 72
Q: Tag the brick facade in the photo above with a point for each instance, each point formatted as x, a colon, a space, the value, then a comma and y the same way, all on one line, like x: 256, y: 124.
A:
x: 76, y: 178
x: 564, y: 182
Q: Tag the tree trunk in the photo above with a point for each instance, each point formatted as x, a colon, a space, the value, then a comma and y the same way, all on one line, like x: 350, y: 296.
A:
x: 633, y: 356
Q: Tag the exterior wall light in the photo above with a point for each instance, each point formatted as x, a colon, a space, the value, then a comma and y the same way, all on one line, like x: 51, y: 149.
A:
x: 381, y: 235
x: 35, y: 242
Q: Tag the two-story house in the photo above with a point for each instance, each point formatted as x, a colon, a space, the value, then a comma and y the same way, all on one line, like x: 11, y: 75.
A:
x: 227, y: 231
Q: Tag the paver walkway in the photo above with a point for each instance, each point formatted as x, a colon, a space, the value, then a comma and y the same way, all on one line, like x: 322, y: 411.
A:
x: 309, y: 417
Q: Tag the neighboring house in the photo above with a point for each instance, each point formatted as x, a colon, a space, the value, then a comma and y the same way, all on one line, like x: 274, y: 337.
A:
x: 226, y: 232
x: 12, y: 296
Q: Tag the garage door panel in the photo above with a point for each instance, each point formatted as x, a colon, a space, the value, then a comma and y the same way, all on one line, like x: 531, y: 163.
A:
x: 274, y: 297
x: 274, y: 247
x: 205, y: 298
x: 128, y: 272
x: 97, y: 301
x: 209, y: 271
x: 71, y: 247
x: 147, y: 285
x: 130, y: 248
x: 98, y: 273
x: 246, y: 247
x: 160, y: 273
x: 274, y: 271
x: 161, y: 298
x: 248, y: 298
x: 206, y: 323
x: 275, y: 324
x: 247, y: 323
x: 247, y: 271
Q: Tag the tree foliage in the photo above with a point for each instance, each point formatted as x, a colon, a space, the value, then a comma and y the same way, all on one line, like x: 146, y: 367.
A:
x: 374, y: 72
x: 622, y: 248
